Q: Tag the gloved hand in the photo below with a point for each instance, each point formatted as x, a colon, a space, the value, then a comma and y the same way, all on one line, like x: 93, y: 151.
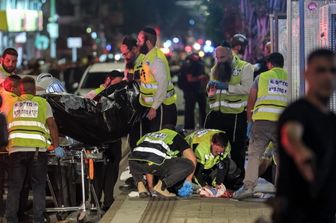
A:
x: 186, y: 190
x: 59, y: 152
x: 249, y: 129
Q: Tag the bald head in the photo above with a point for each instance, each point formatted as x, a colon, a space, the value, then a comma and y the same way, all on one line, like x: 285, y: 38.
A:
x: 223, y: 54
x: 27, y: 86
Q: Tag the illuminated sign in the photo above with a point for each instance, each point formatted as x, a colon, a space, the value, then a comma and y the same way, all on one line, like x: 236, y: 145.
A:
x: 17, y: 20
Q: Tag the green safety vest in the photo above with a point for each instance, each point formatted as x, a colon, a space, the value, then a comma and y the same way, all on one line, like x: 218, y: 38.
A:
x: 226, y: 102
x: 3, y: 74
x: 272, y: 95
x: 27, y: 122
x: 8, y: 100
x: 202, y: 140
x: 137, y: 64
x: 155, y: 147
x: 148, y: 85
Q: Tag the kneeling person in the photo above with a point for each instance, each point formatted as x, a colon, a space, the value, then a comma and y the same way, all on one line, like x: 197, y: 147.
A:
x: 159, y: 154
x: 214, y: 165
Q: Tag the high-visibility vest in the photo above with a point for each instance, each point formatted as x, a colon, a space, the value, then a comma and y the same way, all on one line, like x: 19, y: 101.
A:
x: 200, y: 141
x: 137, y: 66
x: 27, y: 122
x: 8, y: 100
x: 148, y: 85
x: 155, y: 147
x: 272, y: 95
x: 3, y: 74
x: 225, y: 101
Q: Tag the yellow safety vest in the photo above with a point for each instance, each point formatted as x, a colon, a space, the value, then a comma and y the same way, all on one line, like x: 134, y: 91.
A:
x: 3, y: 74
x: 8, y: 100
x: 27, y: 123
x: 148, y: 85
x: 272, y: 95
x: 226, y: 102
x: 202, y: 138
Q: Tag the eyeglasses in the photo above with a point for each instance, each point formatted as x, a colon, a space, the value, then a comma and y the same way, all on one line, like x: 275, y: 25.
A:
x: 323, y: 70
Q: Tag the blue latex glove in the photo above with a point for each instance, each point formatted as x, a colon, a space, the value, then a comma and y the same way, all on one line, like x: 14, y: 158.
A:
x: 59, y: 152
x: 249, y: 129
x: 186, y: 190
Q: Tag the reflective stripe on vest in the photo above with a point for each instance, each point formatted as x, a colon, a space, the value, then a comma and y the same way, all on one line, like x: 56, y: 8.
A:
x: 150, y: 99
x: 28, y: 123
x: 161, y: 143
x: 227, y: 104
x: 273, y: 98
x: 26, y: 136
x: 151, y: 150
x: 270, y: 110
x: 272, y: 95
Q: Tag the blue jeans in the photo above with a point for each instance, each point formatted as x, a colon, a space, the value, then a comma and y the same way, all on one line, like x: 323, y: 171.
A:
x: 19, y: 164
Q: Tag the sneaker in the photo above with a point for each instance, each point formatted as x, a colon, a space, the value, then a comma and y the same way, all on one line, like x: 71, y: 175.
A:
x: 243, y: 193
x: 143, y: 192
x: 163, y: 193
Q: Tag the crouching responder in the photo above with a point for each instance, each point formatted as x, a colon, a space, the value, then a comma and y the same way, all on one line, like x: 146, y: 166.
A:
x: 160, y: 154
x: 214, y: 165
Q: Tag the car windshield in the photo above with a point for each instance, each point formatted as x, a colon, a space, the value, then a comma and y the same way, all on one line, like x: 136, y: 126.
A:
x: 93, y: 80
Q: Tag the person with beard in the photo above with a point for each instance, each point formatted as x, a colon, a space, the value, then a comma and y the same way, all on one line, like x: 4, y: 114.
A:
x: 268, y: 97
x: 133, y: 58
x: 8, y: 63
x: 157, y: 92
x: 227, y: 93
x: 307, y: 148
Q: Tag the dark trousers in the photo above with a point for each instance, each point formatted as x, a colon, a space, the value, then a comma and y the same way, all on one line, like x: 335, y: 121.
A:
x: 106, y: 173
x: 4, y: 170
x: 191, y: 98
x: 235, y: 127
x: 19, y: 164
x: 171, y: 172
x: 165, y: 114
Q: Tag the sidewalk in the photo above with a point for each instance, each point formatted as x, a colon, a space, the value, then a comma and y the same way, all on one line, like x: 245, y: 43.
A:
x: 193, y: 210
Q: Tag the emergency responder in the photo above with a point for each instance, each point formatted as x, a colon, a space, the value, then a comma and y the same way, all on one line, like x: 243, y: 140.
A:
x: 8, y: 96
x: 268, y: 97
x: 106, y: 173
x: 239, y: 43
x: 160, y: 154
x: 8, y: 63
x: 29, y: 123
x: 212, y: 151
x: 227, y: 93
x: 157, y: 92
x: 133, y: 58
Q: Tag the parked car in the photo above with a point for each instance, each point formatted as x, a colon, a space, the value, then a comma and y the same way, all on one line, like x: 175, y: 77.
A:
x: 95, y: 75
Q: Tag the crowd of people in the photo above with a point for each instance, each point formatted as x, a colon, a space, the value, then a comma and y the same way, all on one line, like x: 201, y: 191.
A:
x: 166, y: 162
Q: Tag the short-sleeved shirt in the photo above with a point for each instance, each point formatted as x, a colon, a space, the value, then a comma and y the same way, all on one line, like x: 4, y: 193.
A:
x: 319, y: 135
